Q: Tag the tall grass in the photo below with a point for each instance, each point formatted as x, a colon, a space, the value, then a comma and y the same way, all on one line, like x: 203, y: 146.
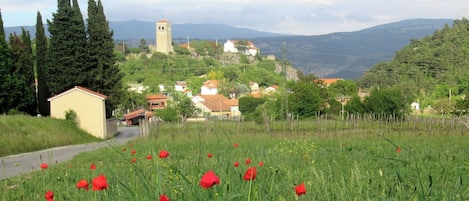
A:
x: 345, y: 165
x: 21, y: 133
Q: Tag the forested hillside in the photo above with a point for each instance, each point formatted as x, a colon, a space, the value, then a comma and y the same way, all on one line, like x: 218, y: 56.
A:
x: 432, y: 69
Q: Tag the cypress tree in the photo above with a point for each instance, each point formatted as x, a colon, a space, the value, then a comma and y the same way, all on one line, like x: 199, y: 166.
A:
x: 22, y: 93
x: 5, y: 65
x: 41, y: 68
x: 67, y: 55
x: 107, y: 78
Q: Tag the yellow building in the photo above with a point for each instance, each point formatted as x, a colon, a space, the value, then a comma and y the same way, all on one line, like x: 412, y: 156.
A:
x: 90, y: 110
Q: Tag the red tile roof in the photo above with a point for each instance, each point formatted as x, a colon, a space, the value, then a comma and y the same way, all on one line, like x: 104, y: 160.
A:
x: 83, y: 89
x: 138, y: 113
x: 216, y: 103
x: 211, y: 84
x: 328, y: 81
x: 156, y: 96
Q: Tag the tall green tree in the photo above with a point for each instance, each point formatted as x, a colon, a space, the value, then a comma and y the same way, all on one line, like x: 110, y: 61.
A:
x: 41, y: 68
x: 5, y: 69
x: 22, y: 76
x: 304, y: 99
x: 106, y: 77
x: 67, y: 55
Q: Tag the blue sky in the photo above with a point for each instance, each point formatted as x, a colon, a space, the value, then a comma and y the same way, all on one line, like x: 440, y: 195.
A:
x: 305, y: 17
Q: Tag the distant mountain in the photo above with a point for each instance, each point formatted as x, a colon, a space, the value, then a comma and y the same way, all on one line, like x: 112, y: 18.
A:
x: 348, y: 54
x: 136, y: 30
x: 345, y: 54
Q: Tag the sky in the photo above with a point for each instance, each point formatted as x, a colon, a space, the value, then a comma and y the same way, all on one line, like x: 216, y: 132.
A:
x: 298, y: 17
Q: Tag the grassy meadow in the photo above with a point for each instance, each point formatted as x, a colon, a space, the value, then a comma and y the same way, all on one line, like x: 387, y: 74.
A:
x: 335, y: 160
x: 22, y: 133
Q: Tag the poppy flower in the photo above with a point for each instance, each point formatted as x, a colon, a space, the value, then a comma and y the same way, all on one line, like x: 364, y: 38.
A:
x: 93, y: 166
x: 261, y: 164
x: 44, y: 166
x: 209, y: 179
x: 133, y: 151
x: 300, y: 189
x: 236, y: 164
x: 236, y: 145
x: 248, y: 161
x: 134, y: 160
x: 99, y: 183
x: 82, y: 184
x: 250, y: 174
x: 163, y: 197
x: 49, y: 196
x: 164, y: 154
x: 149, y: 157
x: 209, y: 155
x: 398, y: 150
x: 131, y: 145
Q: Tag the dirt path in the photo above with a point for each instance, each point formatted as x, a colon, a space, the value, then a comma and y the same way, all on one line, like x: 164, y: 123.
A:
x: 15, y: 165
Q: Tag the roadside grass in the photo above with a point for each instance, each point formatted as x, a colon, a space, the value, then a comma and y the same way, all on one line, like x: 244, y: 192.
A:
x: 21, y: 133
x: 365, y: 164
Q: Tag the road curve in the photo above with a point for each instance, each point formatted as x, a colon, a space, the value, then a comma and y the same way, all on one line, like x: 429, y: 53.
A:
x: 15, y: 165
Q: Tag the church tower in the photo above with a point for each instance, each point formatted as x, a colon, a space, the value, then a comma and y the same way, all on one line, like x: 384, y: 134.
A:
x: 164, y: 37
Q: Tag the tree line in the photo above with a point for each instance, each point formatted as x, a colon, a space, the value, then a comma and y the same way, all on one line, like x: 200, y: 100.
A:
x: 74, y: 55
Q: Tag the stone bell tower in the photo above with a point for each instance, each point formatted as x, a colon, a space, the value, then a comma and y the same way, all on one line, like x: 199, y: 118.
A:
x: 164, y: 37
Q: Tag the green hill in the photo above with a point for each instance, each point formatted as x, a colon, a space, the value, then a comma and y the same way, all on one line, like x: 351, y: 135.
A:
x: 21, y: 133
x: 433, y: 69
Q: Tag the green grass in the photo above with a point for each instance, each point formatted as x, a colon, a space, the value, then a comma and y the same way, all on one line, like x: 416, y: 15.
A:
x: 20, y: 134
x: 334, y: 164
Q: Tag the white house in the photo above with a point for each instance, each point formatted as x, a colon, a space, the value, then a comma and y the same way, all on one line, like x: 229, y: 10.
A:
x: 210, y: 87
x: 180, y: 86
x: 250, y: 49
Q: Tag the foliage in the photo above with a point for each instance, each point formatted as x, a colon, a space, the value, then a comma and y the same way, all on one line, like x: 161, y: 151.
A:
x: 462, y: 106
x: 41, y: 68
x: 248, y: 104
x: 431, y: 66
x: 71, y: 116
x: 168, y: 114
x: 355, y: 105
x: 304, y: 99
x: 5, y: 72
x: 387, y: 102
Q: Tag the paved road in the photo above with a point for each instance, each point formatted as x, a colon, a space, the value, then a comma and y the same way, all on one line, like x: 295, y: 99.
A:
x: 15, y: 165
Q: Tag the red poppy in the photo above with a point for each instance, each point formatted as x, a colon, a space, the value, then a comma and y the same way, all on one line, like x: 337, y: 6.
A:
x: 250, y: 174
x: 209, y: 155
x: 209, y: 179
x: 44, y: 166
x: 49, y: 196
x: 93, y: 166
x: 82, y: 184
x: 99, y: 183
x: 163, y: 197
x: 164, y: 154
x: 133, y: 151
x: 248, y: 161
x: 261, y: 164
x: 131, y: 145
x: 134, y: 160
x: 236, y: 145
x: 236, y: 164
x: 149, y: 157
x: 300, y: 189
x: 398, y: 150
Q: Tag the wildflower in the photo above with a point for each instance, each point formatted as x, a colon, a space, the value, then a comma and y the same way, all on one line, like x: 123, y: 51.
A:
x: 398, y: 150
x: 149, y: 157
x: 124, y: 149
x: 236, y: 164
x: 133, y: 151
x: 164, y: 154
x: 44, y: 166
x: 209, y: 179
x: 93, y: 166
x: 131, y: 145
x: 134, y: 160
x: 163, y: 197
x: 99, y: 183
x: 82, y: 184
x: 250, y: 174
x: 49, y: 196
x: 261, y: 164
x: 236, y: 145
x: 248, y: 161
x: 300, y: 189
x: 209, y: 155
